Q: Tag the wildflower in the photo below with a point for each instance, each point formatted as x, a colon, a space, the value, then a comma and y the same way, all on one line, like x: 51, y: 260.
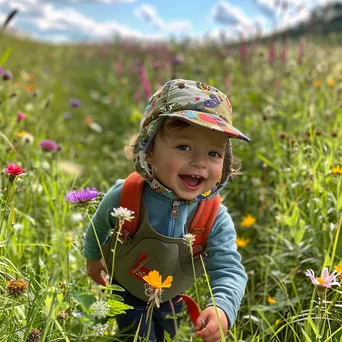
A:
x: 96, y: 127
x: 48, y: 145
x: 317, y: 84
x: 177, y: 60
x: 34, y: 335
x: 99, y: 309
x: 188, y: 239
x: 28, y: 88
x: 21, y: 116
x: 25, y: 137
x: 14, y: 170
x: 62, y: 316
x: 123, y: 214
x: 101, y: 329
x: 67, y: 116
x: 336, y: 170
x: 75, y: 103
x: 338, y: 269
x: 7, y: 75
x: 248, y: 221
x: 325, y: 280
x: 242, y: 242
x: 331, y: 83
x: 83, y: 196
x: 17, y: 287
x: 155, y: 286
x: 271, y: 300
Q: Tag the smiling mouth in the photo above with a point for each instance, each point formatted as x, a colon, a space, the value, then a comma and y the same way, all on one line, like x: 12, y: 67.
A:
x: 191, y: 182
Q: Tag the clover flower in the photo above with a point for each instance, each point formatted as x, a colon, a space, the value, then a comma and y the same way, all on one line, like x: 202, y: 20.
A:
x: 155, y: 285
x: 123, y: 214
x: 325, y: 280
x: 48, y: 145
x: 17, y: 287
x: 99, y: 309
x: 83, y: 196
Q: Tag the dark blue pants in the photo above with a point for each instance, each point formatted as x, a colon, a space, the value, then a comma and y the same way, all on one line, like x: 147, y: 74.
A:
x: 128, y: 322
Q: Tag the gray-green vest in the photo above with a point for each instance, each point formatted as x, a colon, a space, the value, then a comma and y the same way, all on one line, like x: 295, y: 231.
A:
x: 148, y: 251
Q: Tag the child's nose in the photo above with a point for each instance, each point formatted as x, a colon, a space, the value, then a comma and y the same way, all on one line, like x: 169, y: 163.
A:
x: 199, y: 161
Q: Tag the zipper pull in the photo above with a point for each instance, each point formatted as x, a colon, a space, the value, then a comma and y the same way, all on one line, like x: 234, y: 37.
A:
x: 175, y: 211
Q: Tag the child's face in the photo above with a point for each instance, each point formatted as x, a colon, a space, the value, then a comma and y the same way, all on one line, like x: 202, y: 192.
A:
x: 188, y: 161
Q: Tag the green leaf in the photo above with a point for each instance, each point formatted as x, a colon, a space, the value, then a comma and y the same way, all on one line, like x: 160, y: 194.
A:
x: 83, y: 299
x: 117, y: 307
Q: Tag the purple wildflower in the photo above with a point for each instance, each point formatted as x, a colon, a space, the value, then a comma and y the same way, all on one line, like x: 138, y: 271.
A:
x: 83, y: 196
x: 177, y: 60
x: 48, y: 145
x: 67, y: 116
x: 7, y: 75
x: 75, y: 103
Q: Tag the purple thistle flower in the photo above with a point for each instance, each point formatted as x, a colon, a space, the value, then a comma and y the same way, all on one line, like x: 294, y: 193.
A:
x: 7, y: 75
x: 48, y: 145
x: 83, y: 196
x: 75, y: 103
x: 177, y: 60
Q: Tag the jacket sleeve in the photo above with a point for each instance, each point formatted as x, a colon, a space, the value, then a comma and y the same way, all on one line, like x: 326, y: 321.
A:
x: 223, y: 264
x: 102, y: 222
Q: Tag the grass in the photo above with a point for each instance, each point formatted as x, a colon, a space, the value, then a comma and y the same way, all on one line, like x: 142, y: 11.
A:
x: 288, y: 179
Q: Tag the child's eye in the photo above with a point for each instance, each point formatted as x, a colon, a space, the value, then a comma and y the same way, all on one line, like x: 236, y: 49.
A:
x: 215, y: 154
x: 184, y: 147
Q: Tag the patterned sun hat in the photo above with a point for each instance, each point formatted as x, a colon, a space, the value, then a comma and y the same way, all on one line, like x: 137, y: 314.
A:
x: 195, y: 102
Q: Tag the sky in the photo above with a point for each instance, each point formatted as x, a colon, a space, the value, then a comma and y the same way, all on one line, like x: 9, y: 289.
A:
x: 60, y: 21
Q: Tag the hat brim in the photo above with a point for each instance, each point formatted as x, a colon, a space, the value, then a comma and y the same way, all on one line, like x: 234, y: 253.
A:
x: 209, y: 121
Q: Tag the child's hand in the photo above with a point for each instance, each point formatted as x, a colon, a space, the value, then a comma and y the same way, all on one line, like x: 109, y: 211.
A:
x: 211, y: 332
x: 95, y: 267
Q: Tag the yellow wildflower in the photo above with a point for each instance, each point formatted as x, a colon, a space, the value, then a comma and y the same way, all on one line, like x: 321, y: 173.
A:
x: 242, y: 242
x: 248, y: 221
x: 337, y: 170
x: 331, y: 83
x: 317, y: 84
x: 338, y: 269
x: 271, y: 300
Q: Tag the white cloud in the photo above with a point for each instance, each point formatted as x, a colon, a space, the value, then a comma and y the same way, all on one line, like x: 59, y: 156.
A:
x: 227, y: 14
x: 150, y: 14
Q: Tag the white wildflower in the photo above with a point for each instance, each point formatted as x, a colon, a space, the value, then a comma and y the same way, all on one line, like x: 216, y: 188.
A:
x: 188, y: 239
x: 123, y: 214
x: 99, y: 309
x: 101, y: 329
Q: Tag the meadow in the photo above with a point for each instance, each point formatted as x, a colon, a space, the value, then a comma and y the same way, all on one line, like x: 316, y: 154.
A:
x: 66, y: 114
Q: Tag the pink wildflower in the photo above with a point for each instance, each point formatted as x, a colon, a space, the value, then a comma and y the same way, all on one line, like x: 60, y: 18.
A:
x: 325, y: 280
x: 14, y: 170
x: 21, y: 116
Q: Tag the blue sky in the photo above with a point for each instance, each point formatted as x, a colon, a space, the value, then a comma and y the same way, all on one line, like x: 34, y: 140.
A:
x: 98, y: 20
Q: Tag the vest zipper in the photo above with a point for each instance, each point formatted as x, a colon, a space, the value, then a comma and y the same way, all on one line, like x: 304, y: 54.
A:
x: 175, y: 210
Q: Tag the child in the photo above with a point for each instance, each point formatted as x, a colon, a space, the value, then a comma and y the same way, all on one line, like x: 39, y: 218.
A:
x: 183, y: 154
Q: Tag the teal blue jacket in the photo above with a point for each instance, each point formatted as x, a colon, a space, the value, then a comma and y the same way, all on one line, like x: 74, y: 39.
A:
x: 223, y: 262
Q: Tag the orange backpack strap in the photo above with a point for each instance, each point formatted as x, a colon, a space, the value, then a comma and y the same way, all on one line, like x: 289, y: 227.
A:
x: 130, y: 198
x: 202, y: 223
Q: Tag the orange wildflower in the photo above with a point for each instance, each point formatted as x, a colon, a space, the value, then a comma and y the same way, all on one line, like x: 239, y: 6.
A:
x: 271, y: 300
x: 331, y: 83
x: 248, y: 221
x: 338, y: 269
x: 88, y: 120
x: 337, y: 170
x: 242, y: 242
x: 317, y: 84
